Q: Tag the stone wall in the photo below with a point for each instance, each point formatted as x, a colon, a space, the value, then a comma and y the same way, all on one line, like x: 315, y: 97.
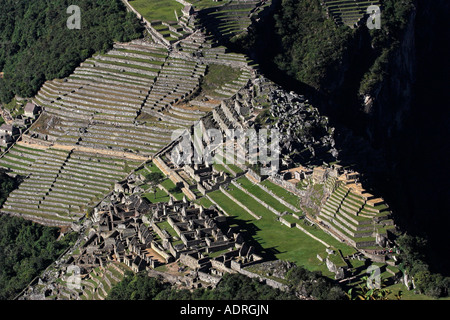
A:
x: 286, y: 223
x: 286, y: 204
x: 239, y: 203
x: 265, y: 205
x: 253, y: 175
x: 287, y: 185
x: 161, y: 252
x: 270, y: 282
x: 209, y: 278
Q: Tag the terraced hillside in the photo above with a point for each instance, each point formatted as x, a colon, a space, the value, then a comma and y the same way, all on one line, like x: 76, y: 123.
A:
x: 356, y: 216
x: 281, y: 232
x: 348, y: 12
x: 114, y: 112
x: 232, y: 18
x: 94, y: 286
x: 99, y: 104
x: 60, y: 185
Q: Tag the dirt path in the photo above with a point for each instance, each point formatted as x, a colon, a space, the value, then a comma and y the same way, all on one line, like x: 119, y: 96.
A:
x: 39, y: 144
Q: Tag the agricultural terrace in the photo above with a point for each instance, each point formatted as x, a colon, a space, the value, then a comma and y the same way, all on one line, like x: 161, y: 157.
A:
x: 163, y: 10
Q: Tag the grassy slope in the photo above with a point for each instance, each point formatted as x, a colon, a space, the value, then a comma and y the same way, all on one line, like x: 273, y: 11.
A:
x: 157, y: 9
x: 275, y: 239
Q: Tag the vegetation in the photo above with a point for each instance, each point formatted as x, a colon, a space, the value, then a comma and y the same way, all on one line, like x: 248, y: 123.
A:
x: 363, y: 292
x: 317, y: 52
x: 216, y: 75
x: 273, y: 239
x: 395, y: 18
x: 7, y: 184
x: 413, y: 263
x: 311, y: 45
x: 301, y: 282
x: 203, y: 4
x: 261, y: 194
x: 312, y: 284
x: 157, y: 195
x: 158, y: 9
x: 36, y: 45
x: 26, y: 248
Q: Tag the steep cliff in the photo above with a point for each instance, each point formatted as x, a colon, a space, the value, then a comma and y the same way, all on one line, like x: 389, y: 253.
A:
x: 389, y: 103
x: 386, y: 99
x: 417, y: 147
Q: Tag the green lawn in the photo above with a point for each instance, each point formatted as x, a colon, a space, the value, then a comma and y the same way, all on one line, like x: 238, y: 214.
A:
x: 229, y: 206
x: 271, y: 238
x: 216, y: 76
x: 249, y: 202
x: 205, y: 202
x: 169, y: 185
x: 158, y: 9
x: 282, y: 193
x: 261, y: 194
x: 220, y: 167
x: 409, y: 295
x: 234, y: 167
x: 161, y: 196
x: 166, y: 226
x: 202, y: 4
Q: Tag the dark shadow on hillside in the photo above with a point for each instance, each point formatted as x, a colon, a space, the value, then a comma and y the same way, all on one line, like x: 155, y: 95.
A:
x: 401, y: 155
x: 249, y: 233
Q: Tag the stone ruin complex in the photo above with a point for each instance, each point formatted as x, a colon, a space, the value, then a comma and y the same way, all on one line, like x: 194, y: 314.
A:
x: 117, y: 112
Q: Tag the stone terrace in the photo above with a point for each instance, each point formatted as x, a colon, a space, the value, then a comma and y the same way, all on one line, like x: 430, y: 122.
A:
x: 356, y: 216
x: 98, y: 104
x: 230, y: 19
x: 348, y: 12
x: 128, y: 100
x: 59, y: 185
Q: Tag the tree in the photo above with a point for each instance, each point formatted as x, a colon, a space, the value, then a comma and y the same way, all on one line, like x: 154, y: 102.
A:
x: 7, y: 184
x: 155, y: 178
x: 26, y: 248
x: 363, y: 292
x: 412, y: 257
x: 232, y: 287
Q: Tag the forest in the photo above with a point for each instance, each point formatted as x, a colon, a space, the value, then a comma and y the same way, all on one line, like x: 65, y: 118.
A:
x: 314, y: 50
x: 36, y: 45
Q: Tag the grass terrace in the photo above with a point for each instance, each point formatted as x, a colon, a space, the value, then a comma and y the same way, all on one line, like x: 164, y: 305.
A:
x: 272, y: 238
x: 163, y: 10
x: 161, y: 55
x: 348, y: 12
x: 203, y: 4
x: 282, y: 193
x: 215, y: 76
x: 261, y: 194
